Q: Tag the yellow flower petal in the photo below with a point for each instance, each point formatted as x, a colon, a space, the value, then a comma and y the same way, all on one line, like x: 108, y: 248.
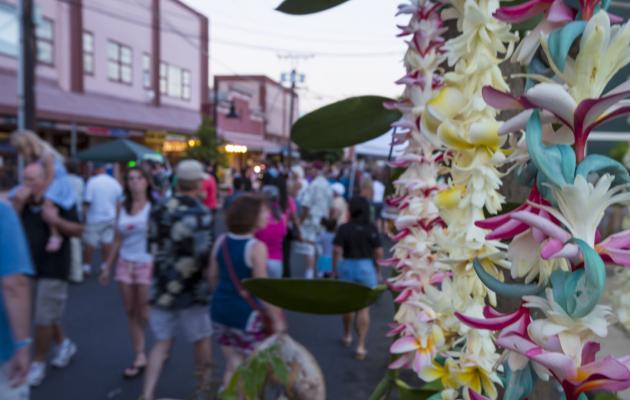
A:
x: 450, y: 198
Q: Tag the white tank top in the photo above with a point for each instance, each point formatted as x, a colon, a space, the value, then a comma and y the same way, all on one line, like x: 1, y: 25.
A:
x: 133, y: 230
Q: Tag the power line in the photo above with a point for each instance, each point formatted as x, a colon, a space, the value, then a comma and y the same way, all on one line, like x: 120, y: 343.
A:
x: 187, y: 36
x: 305, y: 52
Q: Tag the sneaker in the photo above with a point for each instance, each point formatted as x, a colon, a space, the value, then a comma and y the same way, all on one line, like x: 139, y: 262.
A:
x: 87, y: 269
x: 66, y: 351
x: 36, y: 373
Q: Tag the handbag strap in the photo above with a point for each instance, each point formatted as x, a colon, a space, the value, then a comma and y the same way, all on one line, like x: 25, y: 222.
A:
x: 236, y: 281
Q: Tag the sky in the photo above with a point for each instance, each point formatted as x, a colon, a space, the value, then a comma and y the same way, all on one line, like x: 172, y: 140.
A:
x: 352, y: 49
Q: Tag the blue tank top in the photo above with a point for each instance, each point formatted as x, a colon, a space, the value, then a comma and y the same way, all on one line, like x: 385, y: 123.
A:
x: 228, y: 307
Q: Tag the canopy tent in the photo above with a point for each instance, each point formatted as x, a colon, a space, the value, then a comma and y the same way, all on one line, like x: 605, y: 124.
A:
x: 117, y: 150
x: 379, y: 147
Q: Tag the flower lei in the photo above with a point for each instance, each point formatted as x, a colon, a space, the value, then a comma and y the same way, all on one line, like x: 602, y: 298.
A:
x: 553, y: 237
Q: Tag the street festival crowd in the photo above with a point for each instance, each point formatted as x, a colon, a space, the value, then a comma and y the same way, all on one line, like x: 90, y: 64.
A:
x: 155, y: 234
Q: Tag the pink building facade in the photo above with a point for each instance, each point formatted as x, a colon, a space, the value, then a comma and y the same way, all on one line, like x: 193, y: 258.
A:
x: 262, y: 112
x: 110, y: 68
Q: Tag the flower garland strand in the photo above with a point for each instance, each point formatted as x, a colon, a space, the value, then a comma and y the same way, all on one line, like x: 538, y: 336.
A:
x: 419, y: 330
x: 458, y: 120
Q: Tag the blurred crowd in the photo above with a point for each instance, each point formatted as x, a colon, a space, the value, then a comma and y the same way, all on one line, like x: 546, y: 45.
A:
x: 152, y: 229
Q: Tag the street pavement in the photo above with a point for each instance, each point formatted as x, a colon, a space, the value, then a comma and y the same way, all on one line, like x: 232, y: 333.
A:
x: 95, y: 320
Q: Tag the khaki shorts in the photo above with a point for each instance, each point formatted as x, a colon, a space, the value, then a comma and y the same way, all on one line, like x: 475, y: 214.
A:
x: 9, y: 393
x: 194, y: 321
x: 96, y: 235
x: 50, y: 301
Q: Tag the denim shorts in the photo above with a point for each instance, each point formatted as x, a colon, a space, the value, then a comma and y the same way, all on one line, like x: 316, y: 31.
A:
x: 359, y: 271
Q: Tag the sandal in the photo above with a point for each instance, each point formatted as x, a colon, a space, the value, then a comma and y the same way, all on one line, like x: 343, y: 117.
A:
x: 346, y: 341
x: 134, y: 371
x: 360, y: 355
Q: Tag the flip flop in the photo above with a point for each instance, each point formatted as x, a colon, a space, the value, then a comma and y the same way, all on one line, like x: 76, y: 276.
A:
x: 360, y: 355
x: 136, y: 370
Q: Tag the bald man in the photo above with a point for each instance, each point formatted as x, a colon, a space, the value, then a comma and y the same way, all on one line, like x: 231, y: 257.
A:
x: 51, y: 269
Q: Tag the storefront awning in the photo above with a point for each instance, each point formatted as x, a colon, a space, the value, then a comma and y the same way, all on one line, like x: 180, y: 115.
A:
x: 252, y: 141
x: 96, y: 109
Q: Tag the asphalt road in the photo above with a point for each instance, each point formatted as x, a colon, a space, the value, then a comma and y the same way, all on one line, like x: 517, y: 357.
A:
x: 96, y: 321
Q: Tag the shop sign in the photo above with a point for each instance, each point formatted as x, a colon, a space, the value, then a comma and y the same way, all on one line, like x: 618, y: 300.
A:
x: 118, y: 132
x: 96, y: 131
x: 155, y: 138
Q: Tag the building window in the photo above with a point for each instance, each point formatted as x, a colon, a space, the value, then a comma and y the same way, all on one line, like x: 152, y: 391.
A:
x: 163, y: 78
x: 45, y: 41
x: 8, y: 30
x: 174, y: 87
x: 175, y: 81
x: 88, y: 53
x: 119, y: 65
x: 146, y: 71
x: 186, y: 89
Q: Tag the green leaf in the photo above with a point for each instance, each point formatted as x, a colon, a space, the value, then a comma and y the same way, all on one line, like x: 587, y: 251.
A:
x: 303, y: 7
x: 605, y: 396
x: 280, y: 370
x: 407, y: 392
x: 314, y: 296
x: 382, y: 388
x: 344, y: 123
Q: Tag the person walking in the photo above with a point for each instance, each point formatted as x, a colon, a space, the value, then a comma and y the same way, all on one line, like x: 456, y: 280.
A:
x: 378, y: 197
x: 134, y: 266
x: 273, y: 234
x: 102, y: 196
x: 52, y: 269
x: 240, y: 321
x: 180, y: 240
x: 315, y: 205
x: 357, y: 249
x: 76, y: 248
x: 15, y: 307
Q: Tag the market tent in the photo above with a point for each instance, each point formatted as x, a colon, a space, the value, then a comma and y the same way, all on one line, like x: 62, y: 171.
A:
x: 379, y: 147
x: 116, y: 150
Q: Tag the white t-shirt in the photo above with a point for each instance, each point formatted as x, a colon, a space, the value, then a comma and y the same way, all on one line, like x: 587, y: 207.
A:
x: 134, y: 230
x: 378, y: 190
x: 103, y: 194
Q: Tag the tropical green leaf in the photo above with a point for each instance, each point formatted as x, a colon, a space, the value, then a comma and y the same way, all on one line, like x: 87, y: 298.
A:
x: 383, y: 387
x: 303, y: 7
x: 344, y: 123
x: 605, y: 396
x: 314, y: 296
x: 407, y: 392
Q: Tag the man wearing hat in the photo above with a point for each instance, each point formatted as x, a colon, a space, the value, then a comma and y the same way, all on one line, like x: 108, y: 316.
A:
x: 179, y: 240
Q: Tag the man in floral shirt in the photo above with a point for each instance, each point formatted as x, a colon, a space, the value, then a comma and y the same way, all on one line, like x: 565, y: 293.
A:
x: 180, y: 240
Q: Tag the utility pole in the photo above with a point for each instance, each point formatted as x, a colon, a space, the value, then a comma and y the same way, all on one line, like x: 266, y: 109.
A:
x: 26, y: 67
x: 293, y: 78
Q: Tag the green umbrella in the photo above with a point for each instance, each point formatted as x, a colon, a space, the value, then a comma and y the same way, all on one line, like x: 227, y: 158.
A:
x: 114, y: 151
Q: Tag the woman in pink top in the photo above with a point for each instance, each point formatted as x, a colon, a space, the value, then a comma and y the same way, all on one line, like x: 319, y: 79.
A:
x: 273, y: 234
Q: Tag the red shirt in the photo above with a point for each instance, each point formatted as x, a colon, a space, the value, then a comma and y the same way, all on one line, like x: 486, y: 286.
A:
x: 210, y: 186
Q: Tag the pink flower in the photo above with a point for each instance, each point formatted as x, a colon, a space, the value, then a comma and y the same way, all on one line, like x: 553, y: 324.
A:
x: 505, y: 226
